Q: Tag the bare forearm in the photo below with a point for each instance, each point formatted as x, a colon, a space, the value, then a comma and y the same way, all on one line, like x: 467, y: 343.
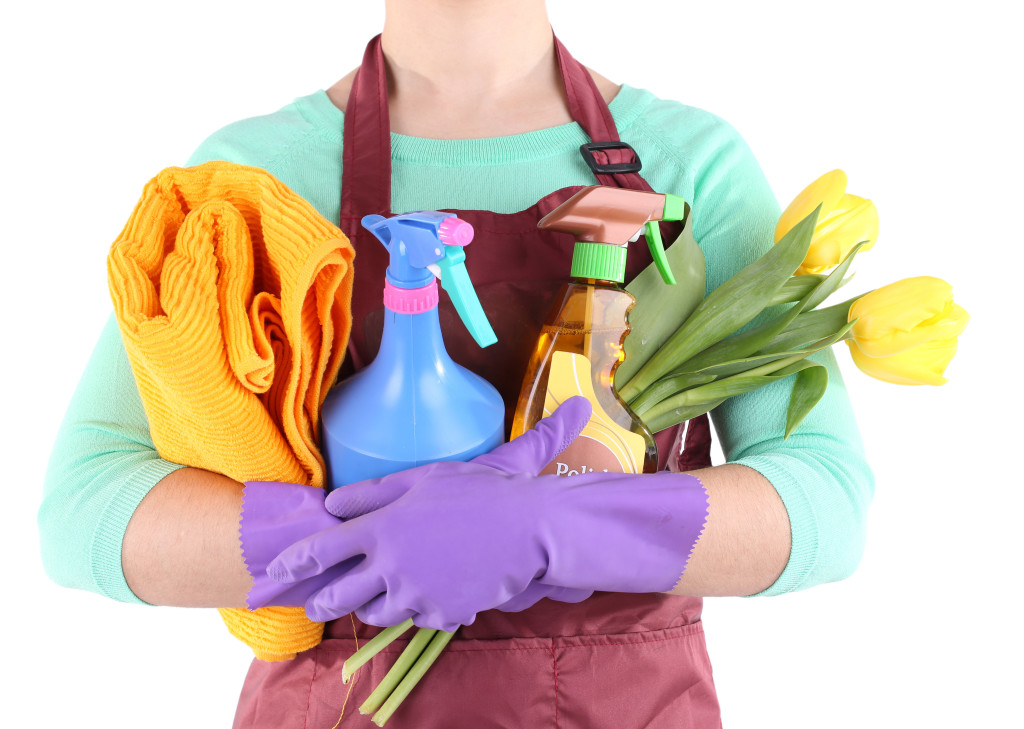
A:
x: 181, y: 547
x: 746, y: 542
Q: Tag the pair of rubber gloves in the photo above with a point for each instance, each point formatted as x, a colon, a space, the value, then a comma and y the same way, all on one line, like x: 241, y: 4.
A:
x: 441, y: 542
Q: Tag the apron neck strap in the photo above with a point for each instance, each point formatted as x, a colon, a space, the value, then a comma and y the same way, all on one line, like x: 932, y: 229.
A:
x: 366, y: 171
x: 366, y: 155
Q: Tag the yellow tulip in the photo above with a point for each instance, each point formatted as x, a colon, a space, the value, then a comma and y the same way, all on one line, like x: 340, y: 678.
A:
x: 844, y: 221
x: 906, y: 332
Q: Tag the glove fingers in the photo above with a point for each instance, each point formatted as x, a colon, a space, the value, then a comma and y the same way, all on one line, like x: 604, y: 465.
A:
x: 569, y: 594
x: 534, y: 593
x: 536, y: 448
x: 363, y: 497
x: 317, y: 553
x: 341, y: 597
x: 267, y: 592
x: 537, y: 592
x: 379, y: 611
x: 436, y: 621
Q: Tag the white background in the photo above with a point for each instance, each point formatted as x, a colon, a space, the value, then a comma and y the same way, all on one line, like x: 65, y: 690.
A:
x: 915, y: 100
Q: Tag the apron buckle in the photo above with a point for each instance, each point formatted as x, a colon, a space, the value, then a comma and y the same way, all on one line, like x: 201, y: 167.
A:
x: 587, y: 150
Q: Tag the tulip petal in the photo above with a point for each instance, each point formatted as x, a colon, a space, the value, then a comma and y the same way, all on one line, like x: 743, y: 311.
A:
x: 923, y: 365
x: 824, y: 253
x: 906, y: 314
x: 853, y: 221
x: 858, y: 216
x: 826, y: 191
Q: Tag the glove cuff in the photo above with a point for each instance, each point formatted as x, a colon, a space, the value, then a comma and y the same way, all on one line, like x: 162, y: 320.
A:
x: 624, y: 532
x: 275, y: 516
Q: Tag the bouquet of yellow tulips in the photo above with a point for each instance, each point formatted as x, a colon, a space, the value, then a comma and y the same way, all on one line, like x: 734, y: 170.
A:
x: 688, y: 354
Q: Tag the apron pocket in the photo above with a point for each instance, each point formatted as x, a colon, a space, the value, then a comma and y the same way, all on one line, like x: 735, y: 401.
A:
x: 647, y: 680
x: 475, y: 684
x: 659, y: 679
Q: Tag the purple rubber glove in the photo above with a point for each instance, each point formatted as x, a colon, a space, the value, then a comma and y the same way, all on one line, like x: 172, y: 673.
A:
x: 275, y: 516
x: 447, y: 540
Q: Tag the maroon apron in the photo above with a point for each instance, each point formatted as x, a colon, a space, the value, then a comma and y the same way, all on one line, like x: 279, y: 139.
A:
x: 614, y: 661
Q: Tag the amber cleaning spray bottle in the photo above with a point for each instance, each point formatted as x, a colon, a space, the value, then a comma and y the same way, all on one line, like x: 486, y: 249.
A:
x: 581, y: 342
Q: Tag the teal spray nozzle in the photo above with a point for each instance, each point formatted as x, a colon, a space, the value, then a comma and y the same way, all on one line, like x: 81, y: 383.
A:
x: 604, y: 221
x: 428, y: 244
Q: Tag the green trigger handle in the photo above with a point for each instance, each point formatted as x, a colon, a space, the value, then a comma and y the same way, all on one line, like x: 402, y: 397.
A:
x: 675, y: 209
x: 455, y: 280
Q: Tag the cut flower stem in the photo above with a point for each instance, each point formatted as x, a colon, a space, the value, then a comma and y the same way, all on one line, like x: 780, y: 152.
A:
x: 422, y: 650
x: 398, y: 671
x: 375, y: 645
x: 425, y: 661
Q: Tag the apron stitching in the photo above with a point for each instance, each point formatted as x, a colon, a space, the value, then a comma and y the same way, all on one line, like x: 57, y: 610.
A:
x: 383, y: 133
x: 639, y: 642
x: 457, y: 650
x: 346, y: 156
x: 554, y: 666
x: 309, y: 696
x: 690, y: 630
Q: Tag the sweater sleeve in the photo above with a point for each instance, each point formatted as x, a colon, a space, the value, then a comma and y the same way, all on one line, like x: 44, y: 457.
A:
x: 102, y: 465
x: 104, y: 461
x: 820, y: 471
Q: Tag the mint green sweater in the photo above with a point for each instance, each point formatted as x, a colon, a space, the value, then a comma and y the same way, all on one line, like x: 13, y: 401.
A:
x: 104, y: 461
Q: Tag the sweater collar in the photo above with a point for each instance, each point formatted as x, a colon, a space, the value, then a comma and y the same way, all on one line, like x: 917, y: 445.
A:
x: 318, y: 109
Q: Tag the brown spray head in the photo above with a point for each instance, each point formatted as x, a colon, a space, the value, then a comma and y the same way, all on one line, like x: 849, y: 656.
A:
x: 615, y: 216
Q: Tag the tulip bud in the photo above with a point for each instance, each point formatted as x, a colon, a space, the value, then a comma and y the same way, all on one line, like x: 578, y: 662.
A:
x: 844, y: 221
x: 906, y: 332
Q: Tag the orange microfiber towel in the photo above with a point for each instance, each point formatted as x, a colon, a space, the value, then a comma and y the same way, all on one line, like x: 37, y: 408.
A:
x: 234, y: 300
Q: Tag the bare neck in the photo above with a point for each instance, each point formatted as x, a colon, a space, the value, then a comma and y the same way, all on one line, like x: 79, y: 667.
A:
x: 495, y: 73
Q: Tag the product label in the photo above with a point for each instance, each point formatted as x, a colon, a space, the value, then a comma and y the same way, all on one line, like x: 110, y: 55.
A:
x: 603, y: 445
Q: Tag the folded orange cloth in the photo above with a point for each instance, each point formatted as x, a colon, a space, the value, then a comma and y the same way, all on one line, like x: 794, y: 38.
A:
x: 233, y: 296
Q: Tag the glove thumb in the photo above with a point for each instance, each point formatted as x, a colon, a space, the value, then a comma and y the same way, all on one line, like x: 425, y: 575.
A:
x: 362, y: 497
x: 536, y: 448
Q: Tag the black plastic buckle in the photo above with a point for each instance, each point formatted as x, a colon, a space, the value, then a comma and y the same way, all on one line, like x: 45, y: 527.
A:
x: 587, y: 150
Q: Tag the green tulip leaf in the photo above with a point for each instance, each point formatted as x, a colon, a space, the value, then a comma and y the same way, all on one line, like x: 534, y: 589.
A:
x: 808, y: 389
x: 737, y: 367
x: 718, y: 391
x: 661, y: 309
x: 834, y: 280
x: 667, y: 387
x: 812, y: 326
x: 744, y: 364
x: 674, y: 385
x: 795, y: 288
x: 681, y: 415
x: 729, y: 307
x: 746, y: 343
x: 779, y: 364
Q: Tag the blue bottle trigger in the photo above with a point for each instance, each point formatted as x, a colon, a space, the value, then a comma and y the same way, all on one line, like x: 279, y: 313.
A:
x: 418, y: 254
x: 455, y: 280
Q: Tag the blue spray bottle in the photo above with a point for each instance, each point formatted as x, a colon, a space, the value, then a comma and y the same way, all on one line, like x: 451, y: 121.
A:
x: 413, y: 405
